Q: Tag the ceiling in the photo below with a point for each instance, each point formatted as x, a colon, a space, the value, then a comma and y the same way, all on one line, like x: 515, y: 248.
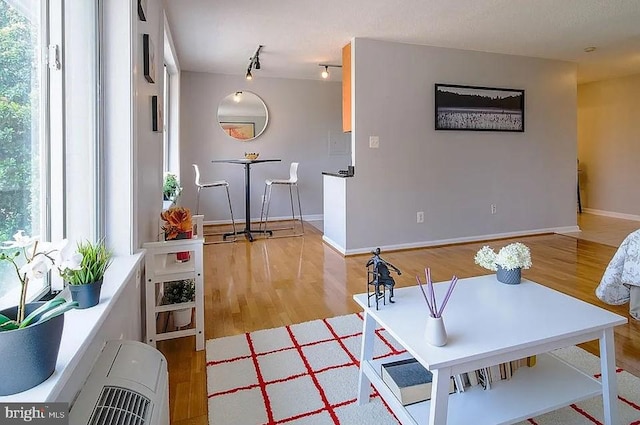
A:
x: 220, y: 36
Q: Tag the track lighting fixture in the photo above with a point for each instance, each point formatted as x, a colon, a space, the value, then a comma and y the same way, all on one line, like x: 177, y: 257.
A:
x: 237, y: 96
x: 325, y: 71
x: 254, y: 62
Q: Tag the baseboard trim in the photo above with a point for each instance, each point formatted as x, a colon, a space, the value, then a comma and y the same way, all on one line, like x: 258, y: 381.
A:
x: 453, y: 241
x: 333, y: 244
x: 612, y: 214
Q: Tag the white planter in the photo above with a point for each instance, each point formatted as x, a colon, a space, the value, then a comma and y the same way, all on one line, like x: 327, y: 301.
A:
x: 434, y: 331
x: 182, y: 318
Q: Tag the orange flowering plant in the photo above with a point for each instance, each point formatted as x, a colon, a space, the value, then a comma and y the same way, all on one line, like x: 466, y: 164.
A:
x: 176, y: 220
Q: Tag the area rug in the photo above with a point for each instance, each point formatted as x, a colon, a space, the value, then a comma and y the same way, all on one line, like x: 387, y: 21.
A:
x: 307, y: 374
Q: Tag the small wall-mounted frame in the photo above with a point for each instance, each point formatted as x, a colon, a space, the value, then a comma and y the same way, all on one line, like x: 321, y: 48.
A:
x: 142, y: 9
x: 156, y: 115
x: 148, y: 58
x: 240, y: 130
x: 478, y: 108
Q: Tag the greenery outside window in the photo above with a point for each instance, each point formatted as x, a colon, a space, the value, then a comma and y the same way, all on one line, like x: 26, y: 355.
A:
x: 23, y: 164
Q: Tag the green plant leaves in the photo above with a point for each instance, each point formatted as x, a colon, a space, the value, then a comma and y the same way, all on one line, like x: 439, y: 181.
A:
x: 96, y: 258
x: 46, y: 311
x: 61, y: 309
x: 7, y: 324
x: 40, y: 310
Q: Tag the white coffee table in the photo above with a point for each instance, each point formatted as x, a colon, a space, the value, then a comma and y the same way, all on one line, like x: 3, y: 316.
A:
x: 488, y: 323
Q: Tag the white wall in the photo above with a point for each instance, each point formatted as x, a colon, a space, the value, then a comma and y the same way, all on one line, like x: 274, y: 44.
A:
x: 608, y: 145
x: 304, y: 118
x: 454, y: 176
x: 121, y: 322
x: 148, y: 173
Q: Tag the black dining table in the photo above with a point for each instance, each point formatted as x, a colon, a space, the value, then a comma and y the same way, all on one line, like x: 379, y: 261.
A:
x: 248, y: 231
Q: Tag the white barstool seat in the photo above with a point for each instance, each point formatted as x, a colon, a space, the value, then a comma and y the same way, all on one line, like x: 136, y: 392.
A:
x: 216, y: 183
x: 291, y: 182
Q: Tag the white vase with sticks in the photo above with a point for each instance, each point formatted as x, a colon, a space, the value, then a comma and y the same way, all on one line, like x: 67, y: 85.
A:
x: 435, y: 332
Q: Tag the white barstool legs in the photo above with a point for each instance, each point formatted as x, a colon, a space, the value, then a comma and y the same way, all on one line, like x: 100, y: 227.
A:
x: 217, y: 183
x: 266, y: 198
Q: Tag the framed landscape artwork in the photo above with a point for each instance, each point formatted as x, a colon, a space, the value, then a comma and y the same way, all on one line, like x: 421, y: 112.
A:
x: 239, y: 130
x: 478, y: 108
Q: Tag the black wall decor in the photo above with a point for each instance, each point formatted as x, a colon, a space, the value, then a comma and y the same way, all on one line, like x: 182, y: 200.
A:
x: 156, y: 115
x: 142, y: 9
x: 478, y: 108
x: 148, y: 58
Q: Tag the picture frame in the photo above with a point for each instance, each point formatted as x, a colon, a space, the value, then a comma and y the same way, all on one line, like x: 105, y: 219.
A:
x: 157, y: 123
x: 148, y: 58
x: 240, y: 130
x: 475, y: 108
x: 142, y: 10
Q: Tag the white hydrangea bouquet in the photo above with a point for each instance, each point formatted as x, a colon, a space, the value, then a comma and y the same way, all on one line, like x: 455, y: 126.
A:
x: 511, y: 257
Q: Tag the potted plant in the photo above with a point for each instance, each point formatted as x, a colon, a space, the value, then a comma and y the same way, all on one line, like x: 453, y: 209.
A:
x: 180, y: 291
x: 85, y: 282
x: 171, y: 187
x: 30, y: 333
x: 507, y: 263
x: 178, y: 224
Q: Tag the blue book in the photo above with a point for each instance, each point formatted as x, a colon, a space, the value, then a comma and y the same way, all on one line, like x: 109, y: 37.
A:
x: 409, y: 380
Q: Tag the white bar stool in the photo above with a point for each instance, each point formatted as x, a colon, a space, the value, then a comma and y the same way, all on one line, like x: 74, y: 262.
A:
x: 291, y: 182
x: 217, y: 183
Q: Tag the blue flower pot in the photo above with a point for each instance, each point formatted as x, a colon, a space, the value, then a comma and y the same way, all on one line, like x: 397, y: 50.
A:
x: 510, y: 277
x: 86, y: 295
x: 29, y: 355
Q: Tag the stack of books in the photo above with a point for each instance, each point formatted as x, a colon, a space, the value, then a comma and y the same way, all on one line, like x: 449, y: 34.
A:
x: 409, y: 381
x: 488, y: 375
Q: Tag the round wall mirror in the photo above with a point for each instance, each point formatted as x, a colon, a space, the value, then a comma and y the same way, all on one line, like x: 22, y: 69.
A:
x: 243, y: 115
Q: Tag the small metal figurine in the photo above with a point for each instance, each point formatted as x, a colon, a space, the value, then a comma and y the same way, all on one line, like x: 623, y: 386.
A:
x: 379, y: 276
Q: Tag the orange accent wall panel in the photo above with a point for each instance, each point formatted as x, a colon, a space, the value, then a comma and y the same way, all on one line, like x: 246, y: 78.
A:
x: 346, y: 88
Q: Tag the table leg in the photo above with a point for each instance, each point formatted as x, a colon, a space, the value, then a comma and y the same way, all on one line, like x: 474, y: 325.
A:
x: 247, y: 208
x: 439, y: 396
x: 609, y: 381
x: 247, y: 199
x: 366, y: 354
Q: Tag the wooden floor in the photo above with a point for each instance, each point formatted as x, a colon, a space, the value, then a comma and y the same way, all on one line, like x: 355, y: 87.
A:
x: 605, y: 230
x: 281, y: 281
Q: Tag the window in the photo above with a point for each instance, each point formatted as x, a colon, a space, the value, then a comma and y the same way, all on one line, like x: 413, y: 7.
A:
x: 171, y: 116
x: 165, y: 124
x: 47, y: 139
x: 23, y: 126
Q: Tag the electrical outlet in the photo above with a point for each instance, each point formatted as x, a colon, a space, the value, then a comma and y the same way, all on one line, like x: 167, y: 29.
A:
x: 493, y: 208
x: 420, y: 217
x: 374, y: 142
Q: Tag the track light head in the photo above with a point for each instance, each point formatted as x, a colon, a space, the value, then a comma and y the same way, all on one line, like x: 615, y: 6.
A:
x: 325, y: 71
x: 254, y: 63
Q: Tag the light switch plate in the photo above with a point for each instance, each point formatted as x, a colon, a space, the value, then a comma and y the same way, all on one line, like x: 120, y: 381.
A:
x: 374, y: 142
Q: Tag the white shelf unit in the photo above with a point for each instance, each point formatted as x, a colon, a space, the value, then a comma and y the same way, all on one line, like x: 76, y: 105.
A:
x: 162, y: 266
x: 549, y: 385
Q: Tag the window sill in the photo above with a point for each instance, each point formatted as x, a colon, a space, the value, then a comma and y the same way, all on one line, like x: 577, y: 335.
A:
x: 80, y: 328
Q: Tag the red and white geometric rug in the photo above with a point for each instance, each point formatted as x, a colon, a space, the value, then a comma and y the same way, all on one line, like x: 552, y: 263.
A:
x: 307, y: 374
